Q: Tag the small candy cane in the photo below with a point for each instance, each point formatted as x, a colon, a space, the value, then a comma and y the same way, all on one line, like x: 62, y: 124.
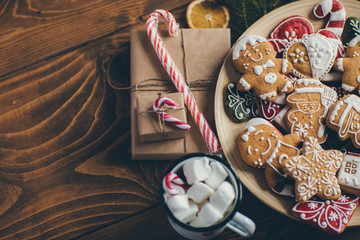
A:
x: 337, y: 13
x: 168, y: 118
x: 176, y: 76
x: 173, y: 184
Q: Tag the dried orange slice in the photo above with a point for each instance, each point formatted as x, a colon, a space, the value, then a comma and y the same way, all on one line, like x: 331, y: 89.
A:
x: 207, y: 14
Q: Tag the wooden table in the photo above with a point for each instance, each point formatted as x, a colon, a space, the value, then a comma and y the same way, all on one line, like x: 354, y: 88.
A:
x: 65, y: 167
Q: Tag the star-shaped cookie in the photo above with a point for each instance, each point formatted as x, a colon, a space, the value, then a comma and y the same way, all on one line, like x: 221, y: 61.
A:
x: 314, y: 171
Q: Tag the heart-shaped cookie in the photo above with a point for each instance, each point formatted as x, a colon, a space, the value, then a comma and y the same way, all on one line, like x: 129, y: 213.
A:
x: 312, y: 56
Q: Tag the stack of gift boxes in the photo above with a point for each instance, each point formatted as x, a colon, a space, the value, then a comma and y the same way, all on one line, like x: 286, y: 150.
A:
x: 198, y: 54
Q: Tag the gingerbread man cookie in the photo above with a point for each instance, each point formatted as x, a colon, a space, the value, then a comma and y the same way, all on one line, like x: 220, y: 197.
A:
x: 350, y: 66
x: 314, y: 171
x: 262, y: 145
x: 344, y: 117
x: 309, y: 105
x: 255, y: 57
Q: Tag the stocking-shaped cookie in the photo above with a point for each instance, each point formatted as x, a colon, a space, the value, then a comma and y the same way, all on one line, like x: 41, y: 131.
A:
x: 344, y: 117
x: 350, y: 66
x: 262, y: 145
x: 314, y: 171
x: 309, y: 105
x: 255, y: 57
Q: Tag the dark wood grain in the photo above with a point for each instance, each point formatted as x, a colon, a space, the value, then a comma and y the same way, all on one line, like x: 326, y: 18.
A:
x: 35, y: 30
x: 65, y: 169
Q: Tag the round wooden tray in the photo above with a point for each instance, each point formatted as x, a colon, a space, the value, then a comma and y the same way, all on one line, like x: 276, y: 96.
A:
x: 229, y: 131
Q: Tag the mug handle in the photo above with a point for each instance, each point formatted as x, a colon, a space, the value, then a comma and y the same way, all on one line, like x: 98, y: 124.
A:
x: 242, y: 225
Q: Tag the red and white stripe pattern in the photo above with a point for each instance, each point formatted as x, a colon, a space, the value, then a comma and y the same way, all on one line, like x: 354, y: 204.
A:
x: 337, y: 15
x: 173, y: 184
x: 176, y: 76
x: 168, y: 118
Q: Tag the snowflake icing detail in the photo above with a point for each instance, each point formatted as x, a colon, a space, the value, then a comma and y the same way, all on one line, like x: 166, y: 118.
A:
x: 301, y: 130
x: 343, y: 198
x: 333, y: 216
x: 312, y: 205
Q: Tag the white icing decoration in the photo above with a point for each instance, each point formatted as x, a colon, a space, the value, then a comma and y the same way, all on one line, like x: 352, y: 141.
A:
x: 268, y: 95
x: 245, y: 84
x: 268, y: 149
x: 249, y: 150
x: 284, y: 65
x: 354, y: 41
x: 258, y: 121
x: 347, y: 87
x: 270, y: 78
x: 241, y: 44
x: 309, y: 90
x: 339, y: 64
x: 260, y: 131
x: 259, y: 69
x: 358, y: 79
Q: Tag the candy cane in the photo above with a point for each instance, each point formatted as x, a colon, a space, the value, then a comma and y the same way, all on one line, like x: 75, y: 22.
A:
x: 176, y: 76
x: 173, y: 184
x: 168, y: 118
x: 337, y: 15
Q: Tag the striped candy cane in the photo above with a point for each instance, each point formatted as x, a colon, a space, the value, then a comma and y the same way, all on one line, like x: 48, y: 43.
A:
x: 173, y: 184
x: 176, y: 76
x: 168, y: 118
x: 337, y: 15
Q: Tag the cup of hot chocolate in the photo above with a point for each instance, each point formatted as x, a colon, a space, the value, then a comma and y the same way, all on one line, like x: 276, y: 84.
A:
x: 201, y: 194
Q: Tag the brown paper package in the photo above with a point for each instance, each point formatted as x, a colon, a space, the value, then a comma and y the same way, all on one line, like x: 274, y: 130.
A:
x: 198, y: 54
x: 151, y: 128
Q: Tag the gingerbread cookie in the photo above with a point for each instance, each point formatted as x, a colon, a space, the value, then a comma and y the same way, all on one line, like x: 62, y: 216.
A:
x: 349, y: 174
x: 261, y: 144
x: 331, y: 216
x: 344, y: 117
x: 350, y: 66
x: 309, y: 105
x: 314, y: 171
x: 293, y: 27
x: 262, y: 71
x: 311, y: 56
x: 240, y: 106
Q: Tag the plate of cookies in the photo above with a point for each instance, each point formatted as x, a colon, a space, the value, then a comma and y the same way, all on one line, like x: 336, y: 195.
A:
x: 287, y: 111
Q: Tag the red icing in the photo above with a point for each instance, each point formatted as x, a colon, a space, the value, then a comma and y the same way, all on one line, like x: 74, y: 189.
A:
x: 319, y: 11
x: 330, y: 216
x: 297, y: 24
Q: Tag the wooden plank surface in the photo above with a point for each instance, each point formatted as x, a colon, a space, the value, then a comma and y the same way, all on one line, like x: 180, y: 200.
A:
x: 65, y: 167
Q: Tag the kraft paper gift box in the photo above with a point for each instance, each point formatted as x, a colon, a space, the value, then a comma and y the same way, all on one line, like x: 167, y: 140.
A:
x: 151, y: 128
x: 198, y: 54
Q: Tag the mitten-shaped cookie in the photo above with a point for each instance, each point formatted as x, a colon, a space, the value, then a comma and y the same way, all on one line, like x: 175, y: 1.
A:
x: 309, y: 105
x: 314, y: 171
x: 255, y: 57
x: 344, y: 117
x: 350, y: 66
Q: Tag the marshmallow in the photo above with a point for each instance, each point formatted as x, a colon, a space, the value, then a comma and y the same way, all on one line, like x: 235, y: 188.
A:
x: 199, y: 192
x: 217, y: 176
x: 190, y: 214
x: 183, y: 209
x: 197, y: 169
x: 223, y: 197
x: 209, y: 215
x: 178, y: 204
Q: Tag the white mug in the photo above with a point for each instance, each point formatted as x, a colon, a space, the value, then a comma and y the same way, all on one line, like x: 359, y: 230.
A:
x: 233, y: 219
